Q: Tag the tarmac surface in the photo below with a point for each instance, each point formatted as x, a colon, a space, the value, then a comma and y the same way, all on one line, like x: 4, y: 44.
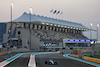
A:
x: 22, y: 61
x: 6, y: 56
x: 61, y: 61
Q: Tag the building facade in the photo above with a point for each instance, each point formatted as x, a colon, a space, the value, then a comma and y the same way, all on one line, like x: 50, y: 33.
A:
x: 42, y: 33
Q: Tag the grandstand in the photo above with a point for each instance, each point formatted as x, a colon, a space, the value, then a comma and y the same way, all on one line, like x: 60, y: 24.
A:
x: 46, y: 33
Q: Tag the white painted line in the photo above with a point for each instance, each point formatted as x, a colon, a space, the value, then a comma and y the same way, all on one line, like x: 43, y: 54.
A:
x: 2, y: 64
x: 32, y: 61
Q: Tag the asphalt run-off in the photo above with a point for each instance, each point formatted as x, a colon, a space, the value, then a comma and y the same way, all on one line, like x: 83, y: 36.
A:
x: 84, y: 61
x: 4, y: 63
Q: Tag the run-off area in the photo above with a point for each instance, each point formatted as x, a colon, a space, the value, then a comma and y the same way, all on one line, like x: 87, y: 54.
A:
x: 21, y: 61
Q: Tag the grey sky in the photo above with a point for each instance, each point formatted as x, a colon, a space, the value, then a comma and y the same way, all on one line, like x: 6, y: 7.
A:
x: 80, y: 11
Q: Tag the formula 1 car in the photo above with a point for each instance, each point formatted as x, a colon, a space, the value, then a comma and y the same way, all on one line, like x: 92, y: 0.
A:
x: 51, y: 62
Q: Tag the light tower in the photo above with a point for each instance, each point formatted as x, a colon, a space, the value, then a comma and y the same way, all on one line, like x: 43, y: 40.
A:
x: 11, y: 25
x: 30, y: 26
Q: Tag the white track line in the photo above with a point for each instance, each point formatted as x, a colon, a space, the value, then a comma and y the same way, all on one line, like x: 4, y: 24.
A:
x: 32, y: 61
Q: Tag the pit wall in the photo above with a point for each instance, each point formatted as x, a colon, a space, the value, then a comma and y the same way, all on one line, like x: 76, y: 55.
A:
x: 95, y: 60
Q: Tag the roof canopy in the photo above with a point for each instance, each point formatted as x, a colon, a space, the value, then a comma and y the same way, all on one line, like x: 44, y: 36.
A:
x: 36, y: 18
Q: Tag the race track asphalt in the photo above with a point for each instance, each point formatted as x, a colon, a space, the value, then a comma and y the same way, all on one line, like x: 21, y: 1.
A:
x: 22, y: 61
x: 61, y: 61
x: 6, y: 56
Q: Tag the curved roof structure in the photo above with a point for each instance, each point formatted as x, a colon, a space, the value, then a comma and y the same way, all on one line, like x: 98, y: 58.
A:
x: 36, y: 18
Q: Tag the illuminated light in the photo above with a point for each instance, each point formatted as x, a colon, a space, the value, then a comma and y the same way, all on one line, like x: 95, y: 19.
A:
x: 9, y: 30
x: 92, y: 42
x: 43, y: 23
x: 58, y: 25
x: 71, y: 27
x: 91, y: 24
x: 68, y: 40
x: 76, y: 40
x: 31, y: 10
x: 95, y: 42
x: 88, y: 40
x: 74, y: 27
x: 12, y: 5
x: 22, y: 26
x: 68, y: 27
x: 65, y: 27
x: 30, y: 27
x: 81, y: 29
x: 51, y: 24
x: 80, y: 40
x: 55, y: 25
x: 17, y: 25
x: 47, y: 23
x: 44, y: 45
x: 77, y: 28
x: 97, y: 25
x: 93, y: 30
x: 61, y: 26
x: 71, y: 40
x: 84, y: 29
x: 89, y: 30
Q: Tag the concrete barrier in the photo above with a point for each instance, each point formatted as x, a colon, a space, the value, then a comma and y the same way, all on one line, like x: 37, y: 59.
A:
x: 95, y: 60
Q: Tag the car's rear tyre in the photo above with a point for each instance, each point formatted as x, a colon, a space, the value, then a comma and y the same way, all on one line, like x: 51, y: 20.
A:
x: 55, y: 63
x: 45, y: 62
x: 36, y: 63
x: 50, y: 63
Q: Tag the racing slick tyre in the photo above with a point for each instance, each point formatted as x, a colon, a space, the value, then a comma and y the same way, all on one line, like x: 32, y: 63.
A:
x: 55, y: 63
x: 36, y: 63
x: 50, y: 63
x: 45, y: 62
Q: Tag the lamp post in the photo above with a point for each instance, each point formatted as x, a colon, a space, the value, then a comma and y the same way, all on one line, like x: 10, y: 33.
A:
x: 11, y: 25
x: 91, y: 38
x: 90, y: 30
x: 97, y: 36
x: 97, y: 31
x: 30, y: 26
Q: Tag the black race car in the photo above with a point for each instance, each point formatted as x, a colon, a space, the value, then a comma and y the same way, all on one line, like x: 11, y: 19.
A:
x: 51, y: 62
